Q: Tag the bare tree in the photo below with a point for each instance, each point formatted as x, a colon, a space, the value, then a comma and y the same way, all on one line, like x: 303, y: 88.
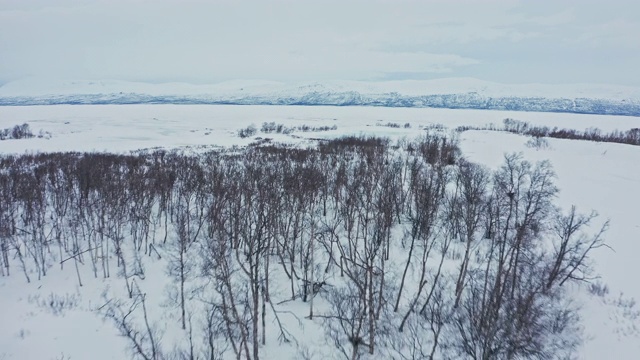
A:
x: 466, y: 212
x: 428, y: 190
x: 189, y: 220
x: 229, y: 313
x: 144, y: 342
x: 505, y: 310
x: 572, y: 248
x: 348, y: 328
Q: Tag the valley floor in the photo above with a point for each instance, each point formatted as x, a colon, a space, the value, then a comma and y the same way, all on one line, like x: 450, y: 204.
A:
x: 604, y: 177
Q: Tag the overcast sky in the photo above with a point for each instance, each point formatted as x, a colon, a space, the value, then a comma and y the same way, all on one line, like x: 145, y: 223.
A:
x: 546, y: 41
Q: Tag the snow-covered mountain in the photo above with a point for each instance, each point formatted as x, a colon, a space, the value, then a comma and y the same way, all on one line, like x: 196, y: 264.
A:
x: 455, y: 93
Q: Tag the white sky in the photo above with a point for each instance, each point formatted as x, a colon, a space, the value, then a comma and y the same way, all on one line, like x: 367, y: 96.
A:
x: 547, y: 41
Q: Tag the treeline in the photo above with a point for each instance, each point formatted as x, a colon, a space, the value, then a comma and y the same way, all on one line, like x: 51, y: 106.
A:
x: 412, y: 251
x: 630, y: 137
x: 273, y: 127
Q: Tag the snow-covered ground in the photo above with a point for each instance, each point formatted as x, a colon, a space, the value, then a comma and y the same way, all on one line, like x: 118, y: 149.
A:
x: 132, y: 127
x: 601, y: 176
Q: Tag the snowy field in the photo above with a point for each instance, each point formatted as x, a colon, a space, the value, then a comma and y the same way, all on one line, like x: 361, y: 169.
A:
x: 593, y: 176
x: 132, y: 127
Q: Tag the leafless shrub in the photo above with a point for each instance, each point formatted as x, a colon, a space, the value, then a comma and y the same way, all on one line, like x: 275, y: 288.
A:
x: 390, y: 125
x: 17, y: 132
x: 538, y: 143
x: 599, y: 289
x: 44, y: 134
x: 58, y: 304
x: 144, y: 342
x: 247, y: 132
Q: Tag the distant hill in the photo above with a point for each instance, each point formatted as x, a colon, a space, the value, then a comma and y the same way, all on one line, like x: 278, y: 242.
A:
x: 454, y: 93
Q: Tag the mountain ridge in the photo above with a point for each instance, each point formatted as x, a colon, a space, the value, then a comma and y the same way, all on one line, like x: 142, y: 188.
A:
x: 453, y: 93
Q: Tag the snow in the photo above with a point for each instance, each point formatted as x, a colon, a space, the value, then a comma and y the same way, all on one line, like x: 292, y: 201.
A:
x: 30, y: 330
x: 455, y: 93
x: 35, y: 86
x: 132, y: 127
x: 601, y: 176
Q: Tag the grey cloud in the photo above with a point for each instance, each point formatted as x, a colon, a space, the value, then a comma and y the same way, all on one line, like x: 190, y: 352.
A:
x: 198, y: 41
